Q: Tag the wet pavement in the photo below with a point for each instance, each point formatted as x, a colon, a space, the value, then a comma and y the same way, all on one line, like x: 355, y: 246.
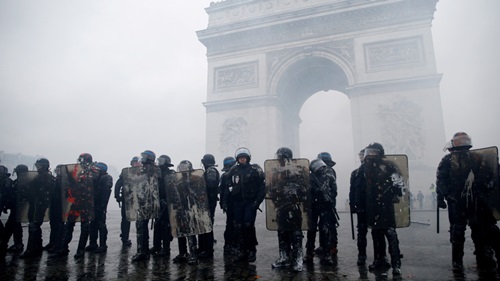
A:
x: 427, y: 256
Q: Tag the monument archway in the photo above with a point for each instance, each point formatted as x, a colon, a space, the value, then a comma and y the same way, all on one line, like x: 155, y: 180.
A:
x: 267, y: 57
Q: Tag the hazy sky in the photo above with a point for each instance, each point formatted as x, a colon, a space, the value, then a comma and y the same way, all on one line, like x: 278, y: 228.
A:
x: 114, y: 78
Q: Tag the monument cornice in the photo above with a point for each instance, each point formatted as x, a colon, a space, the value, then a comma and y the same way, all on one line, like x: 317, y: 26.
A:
x: 259, y: 101
x: 291, y: 26
x: 394, y: 85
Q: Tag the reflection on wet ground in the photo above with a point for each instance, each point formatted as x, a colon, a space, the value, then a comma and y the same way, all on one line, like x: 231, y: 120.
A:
x: 427, y: 256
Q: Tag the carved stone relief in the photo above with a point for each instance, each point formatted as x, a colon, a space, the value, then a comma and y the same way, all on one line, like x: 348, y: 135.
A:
x: 236, y: 76
x: 233, y: 135
x: 402, y: 128
x: 392, y: 54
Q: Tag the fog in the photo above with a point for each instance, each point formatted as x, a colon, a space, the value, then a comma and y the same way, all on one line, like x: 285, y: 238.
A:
x: 114, y: 78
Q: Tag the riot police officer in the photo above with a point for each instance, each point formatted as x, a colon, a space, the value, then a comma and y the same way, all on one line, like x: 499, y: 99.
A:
x: 12, y: 226
x: 98, y: 229
x: 148, y: 158
x: 226, y: 204
x: 323, y: 214
x: 288, y: 196
x: 464, y: 183
x: 248, y: 192
x: 185, y: 166
x: 5, y: 187
x: 162, y: 235
x: 56, y: 221
x: 382, y: 182
x: 125, y: 224
x: 38, y: 196
x: 212, y: 179
x: 82, y: 207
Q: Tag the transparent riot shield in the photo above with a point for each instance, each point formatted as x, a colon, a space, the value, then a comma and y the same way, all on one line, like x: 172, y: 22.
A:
x: 24, y: 186
x: 141, y: 197
x: 187, y: 201
x: 287, y: 194
x: 387, y: 191
x: 485, y: 169
x: 77, y: 193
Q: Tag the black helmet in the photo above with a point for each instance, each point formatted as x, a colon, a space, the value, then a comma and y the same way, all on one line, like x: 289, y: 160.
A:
x: 316, y: 164
x: 42, y: 164
x: 361, y: 154
x: 208, y: 160
x: 327, y: 158
x: 148, y: 156
x: 184, y: 166
x: 4, y: 171
x: 85, y: 158
x: 374, y: 148
x: 228, y: 163
x: 284, y: 153
x: 102, y: 167
x: 164, y: 160
x: 134, y: 160
x: 57, y: 170
x: 21, y: 168
x: 243, y: 152
x: 461, y: 139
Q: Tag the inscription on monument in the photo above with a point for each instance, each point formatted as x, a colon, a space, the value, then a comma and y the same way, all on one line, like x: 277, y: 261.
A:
x: 394, y: 54
x: 236, y: 76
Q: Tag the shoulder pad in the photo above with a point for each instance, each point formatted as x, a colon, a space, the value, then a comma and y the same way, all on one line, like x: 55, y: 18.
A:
x: 258, y: 169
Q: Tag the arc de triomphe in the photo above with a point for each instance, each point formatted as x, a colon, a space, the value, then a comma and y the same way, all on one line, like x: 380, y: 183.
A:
x: 267, y: 57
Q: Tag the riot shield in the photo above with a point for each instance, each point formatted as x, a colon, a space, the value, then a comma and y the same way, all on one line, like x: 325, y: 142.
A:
x: 23, y: 189
x: 77, y: 193
x: 485, y: 161
x: 387, y: 191
x: 187, y: 202
x: 141, y: 197
x: 287, y: 194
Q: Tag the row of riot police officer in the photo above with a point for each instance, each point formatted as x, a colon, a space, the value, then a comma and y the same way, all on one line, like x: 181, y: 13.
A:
x: 38, y: 196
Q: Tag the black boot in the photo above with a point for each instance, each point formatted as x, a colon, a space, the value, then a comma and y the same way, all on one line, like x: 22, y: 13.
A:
x: 82, y: 242
x: 61, y: 249
x: 142, y: 241
x: 283, y: 259
x: 457, y: 254
x: 34, y: 247
x: 297, y: 254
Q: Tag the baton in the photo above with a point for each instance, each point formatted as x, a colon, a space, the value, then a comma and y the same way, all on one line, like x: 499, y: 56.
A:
x: 437, y: 218
x: 352, y: 224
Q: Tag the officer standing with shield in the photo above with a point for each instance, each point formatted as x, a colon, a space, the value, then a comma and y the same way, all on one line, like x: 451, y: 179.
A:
x: 79, y: 181
x: 56, y: 221
x: 12, y: 227
x: 98, y: 228
x: 248, y: 192
x: 288, y: 189
x: 212, y: 180
x: 125, y: 224
x: 38, y: 196
x: 323, y: 214
x: 466, y: 180
x: 226, y: 204
x: 162, y: 235
x: 5, y: 186
x: 149, y: 203
x: 383, y: 186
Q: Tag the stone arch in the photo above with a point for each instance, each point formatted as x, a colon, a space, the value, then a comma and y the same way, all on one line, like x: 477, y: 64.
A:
x: 300, y: 76
x: 263, y: 55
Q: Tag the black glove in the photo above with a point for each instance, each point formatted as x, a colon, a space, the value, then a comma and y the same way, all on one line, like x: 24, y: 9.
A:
x: 255, y: 205
x: 441, y: 204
